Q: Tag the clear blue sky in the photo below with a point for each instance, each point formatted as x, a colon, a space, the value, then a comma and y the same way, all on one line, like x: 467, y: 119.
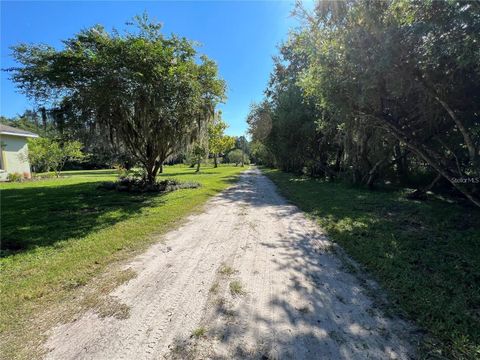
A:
x: 240, y: 36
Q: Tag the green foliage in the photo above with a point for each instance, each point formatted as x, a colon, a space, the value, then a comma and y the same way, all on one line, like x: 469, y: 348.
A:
x: 15, y: 177
x: 218, y: 142
x: 226, y: 143
x: 261, y: 154
x: 49, y: 155
x: 375, y: 92
x: 199, y: 332
x: 216, y: 131
x: 235, y: 156
x: 137, y: 184
x: 424, y: 254
x: 199, y: 150
x: 242, y: 143
x: 29, y: 121
x: 150, y: 91
x: 65, y: 125
x: 236, y: 288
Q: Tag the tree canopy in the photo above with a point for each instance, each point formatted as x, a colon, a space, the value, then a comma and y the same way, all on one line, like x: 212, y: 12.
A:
x: 218, y: 142
x: 46, y: 154
x: 152, y: 93
x: 371, y: 92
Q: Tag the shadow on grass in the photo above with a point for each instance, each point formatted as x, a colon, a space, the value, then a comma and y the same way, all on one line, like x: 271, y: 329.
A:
x: 44, y: 216
x: 191, y: 172
x: 425, y: 253
x: 101, y: 172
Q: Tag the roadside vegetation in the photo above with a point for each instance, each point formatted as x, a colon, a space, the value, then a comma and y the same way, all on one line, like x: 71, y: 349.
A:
x: 376, y: 92
x: 236, y: 288
x: 366, y: 96
x: 425, y: 254
x: 372, y: 108
x: 98, y: 106
x: 60, y: 233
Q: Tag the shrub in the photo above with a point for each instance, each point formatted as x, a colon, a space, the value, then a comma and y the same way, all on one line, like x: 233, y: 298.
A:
x: 140, y: 185
x: 15, y: 177
x: 235, y: 156
x: 121, y: 170
x: 48, y: 154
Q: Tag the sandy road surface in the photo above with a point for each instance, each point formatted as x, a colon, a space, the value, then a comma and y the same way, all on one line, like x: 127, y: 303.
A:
x: 250, y: 278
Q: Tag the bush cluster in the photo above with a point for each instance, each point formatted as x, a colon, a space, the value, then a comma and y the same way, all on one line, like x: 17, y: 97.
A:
x: 140, y: 185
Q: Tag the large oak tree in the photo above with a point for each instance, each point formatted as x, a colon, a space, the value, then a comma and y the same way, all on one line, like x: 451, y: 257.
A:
x: 153, y: 93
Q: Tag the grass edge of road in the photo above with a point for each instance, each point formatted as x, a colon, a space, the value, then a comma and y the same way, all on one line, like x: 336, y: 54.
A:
x: 422, y: 253
x: 52, y: 284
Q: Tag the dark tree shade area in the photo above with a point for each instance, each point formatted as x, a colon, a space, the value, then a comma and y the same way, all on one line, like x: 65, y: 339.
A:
x: 377, y: 92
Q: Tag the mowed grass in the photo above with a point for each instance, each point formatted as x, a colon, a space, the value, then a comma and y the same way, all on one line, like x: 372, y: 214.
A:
x: 426, y: 254
x: 58, y: 234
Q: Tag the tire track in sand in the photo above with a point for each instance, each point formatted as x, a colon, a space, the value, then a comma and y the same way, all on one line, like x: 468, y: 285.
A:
x: 296, y: 300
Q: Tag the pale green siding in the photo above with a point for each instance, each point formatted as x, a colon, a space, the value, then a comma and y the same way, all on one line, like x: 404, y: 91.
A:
x: 14, y: 155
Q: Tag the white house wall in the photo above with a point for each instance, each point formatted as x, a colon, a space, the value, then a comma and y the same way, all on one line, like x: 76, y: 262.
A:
x: 14, y: 155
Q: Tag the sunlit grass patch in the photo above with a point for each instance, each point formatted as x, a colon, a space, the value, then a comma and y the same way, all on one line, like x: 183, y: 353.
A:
x: 425, y: 254
x: 60, y: 233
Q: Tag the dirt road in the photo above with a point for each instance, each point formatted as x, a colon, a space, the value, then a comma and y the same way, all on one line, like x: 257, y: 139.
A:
x: 250, y: 278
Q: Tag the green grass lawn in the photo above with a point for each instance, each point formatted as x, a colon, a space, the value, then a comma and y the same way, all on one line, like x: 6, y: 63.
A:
x: 425, y: 254
x: 58, y: 234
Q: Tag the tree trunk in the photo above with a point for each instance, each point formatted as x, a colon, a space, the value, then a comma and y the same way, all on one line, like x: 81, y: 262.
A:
x: 326, y: 170
x: 421, y: 194
x: 150, y: 179
x: 198, y: 165
x: 151, y: 170
x: 338, y: 159
x: 160, y: 170
x: 472, y: 151
x: 430, y: 157
x: 467, y: 137
x: 35, y: 118
x: 215, y: 163
x: 243, y: 152
x: 44, y: 118
x: 373, y: 173
x: 402, y: 163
